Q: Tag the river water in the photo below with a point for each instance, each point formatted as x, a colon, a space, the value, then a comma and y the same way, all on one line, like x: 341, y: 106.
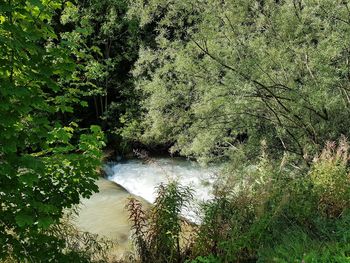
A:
x: 141, y: 178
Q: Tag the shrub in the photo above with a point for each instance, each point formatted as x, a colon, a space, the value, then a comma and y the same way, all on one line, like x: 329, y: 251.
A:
x: 157, y: 234
x: 277, y: 212
x: 206, y: 259
x: 139, y: 224
x: 331, y: 178
x: 66, y: 243
x: 264, y: 212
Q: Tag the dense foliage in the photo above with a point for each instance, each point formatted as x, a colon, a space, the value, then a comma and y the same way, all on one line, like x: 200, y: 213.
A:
x: 47, y: 162
x: 158, y: 232
x: 222, y: 72
x: 266, y: 211
x: 105, y: 46
x: 221, y: 77
x: 280, y: 213
x: 259, y: 85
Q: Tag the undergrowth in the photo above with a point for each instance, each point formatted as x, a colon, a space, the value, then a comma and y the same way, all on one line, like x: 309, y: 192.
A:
x: 69, y: 244
x: 270, y: 211
x: 158, y: 233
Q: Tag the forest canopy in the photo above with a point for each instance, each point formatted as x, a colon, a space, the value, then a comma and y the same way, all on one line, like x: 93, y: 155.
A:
x: 219, y: 72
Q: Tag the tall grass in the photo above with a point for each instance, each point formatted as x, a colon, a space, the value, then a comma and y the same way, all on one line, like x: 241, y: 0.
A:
x: 157, y: 233
x: 268, y: 211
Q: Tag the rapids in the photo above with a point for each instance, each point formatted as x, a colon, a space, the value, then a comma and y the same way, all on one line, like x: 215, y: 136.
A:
x: 141, y: 178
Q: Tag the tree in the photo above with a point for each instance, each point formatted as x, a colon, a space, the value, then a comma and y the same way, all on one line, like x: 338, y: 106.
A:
x: 222, y: 72
x: 106, y: 46
x: 47, y: 162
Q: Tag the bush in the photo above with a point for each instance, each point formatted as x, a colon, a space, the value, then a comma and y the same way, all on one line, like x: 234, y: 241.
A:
x: 276, y: 212
x: 331, y: 178
x: 157, y: 234
x: 63, y: 242
x: 265, y: 212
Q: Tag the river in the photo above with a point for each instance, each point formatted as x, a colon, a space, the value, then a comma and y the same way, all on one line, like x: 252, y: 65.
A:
x: 104, y: 212
x: 141, y: 178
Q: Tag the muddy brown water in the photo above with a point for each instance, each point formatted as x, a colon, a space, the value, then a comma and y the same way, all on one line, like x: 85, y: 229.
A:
x: 104, y: 214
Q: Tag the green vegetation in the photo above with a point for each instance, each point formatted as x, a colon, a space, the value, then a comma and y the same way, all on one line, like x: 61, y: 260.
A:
x: 222, y: 77
x: 47, y: 161
x: 265, y: 212
x: 223, y: 72
x: 280, y: 214
x: 260, y: 86
x: 157, y: 233
x: 105, y: 45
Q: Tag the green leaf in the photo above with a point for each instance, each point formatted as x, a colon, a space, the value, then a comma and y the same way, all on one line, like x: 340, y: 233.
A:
x: 45, y: 222
x: 23, y: 219
x: 29, y: 178
x: 36, y: 3
x: 95, y: 128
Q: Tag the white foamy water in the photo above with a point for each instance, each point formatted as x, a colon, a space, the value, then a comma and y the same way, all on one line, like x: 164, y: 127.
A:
x: 141, y: 178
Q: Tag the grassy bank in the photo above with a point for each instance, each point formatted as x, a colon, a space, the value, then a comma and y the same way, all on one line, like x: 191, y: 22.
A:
x: 267, y: 211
